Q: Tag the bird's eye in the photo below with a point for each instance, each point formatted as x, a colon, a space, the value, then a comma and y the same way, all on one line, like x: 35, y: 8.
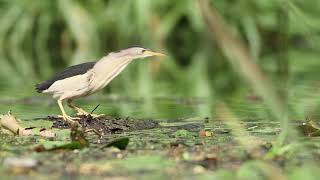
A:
x: 143, y: 50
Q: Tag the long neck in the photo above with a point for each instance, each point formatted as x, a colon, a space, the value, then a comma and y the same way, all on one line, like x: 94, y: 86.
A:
x: 107, y: 69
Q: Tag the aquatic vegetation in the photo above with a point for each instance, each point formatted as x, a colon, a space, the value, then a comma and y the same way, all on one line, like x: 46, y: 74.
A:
x: 245, y: 71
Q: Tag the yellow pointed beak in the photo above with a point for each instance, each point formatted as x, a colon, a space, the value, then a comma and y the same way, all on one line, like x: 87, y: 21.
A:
x: 152, y: 53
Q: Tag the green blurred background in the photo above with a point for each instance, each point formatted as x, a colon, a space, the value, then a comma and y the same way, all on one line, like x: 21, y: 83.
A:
x: 41, y: 37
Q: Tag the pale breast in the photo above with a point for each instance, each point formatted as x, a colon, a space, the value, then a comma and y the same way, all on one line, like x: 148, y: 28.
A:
x: 72, y: 84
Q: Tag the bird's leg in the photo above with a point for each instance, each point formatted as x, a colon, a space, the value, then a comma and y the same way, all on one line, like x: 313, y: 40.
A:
x: 64, y: 115
x: 80, y: 111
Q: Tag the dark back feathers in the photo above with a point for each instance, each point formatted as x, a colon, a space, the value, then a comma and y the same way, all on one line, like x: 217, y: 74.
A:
x: 68, y: 72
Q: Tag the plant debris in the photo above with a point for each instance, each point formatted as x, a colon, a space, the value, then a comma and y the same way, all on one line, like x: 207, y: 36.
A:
x: 106, y: 124
x: 205, y: 133
x: 10, y: 125
x: 310, y: 129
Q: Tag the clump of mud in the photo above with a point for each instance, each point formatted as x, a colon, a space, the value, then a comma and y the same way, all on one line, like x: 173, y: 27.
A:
x: 107, y: 124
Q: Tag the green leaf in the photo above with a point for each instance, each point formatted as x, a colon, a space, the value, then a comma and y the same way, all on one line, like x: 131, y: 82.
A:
x: 121, y: 143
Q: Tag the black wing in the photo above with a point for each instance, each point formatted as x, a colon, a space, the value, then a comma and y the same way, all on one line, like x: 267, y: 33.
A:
x: 68, y: 72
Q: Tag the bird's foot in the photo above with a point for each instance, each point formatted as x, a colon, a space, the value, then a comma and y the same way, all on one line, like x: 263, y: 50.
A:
x: 97, y: 115
x: 84, y: 113
x: 72, y: 121
x: 81, y: 112
x: 68, y: 118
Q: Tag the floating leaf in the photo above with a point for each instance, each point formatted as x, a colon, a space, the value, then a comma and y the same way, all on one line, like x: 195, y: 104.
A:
x: 121, y: 143
x: 78, y: 142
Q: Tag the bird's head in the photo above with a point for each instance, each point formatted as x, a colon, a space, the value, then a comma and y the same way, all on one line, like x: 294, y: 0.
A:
x: 138, y: 52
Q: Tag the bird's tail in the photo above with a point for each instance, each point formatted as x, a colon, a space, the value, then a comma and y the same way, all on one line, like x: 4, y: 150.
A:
x: 39, y: 88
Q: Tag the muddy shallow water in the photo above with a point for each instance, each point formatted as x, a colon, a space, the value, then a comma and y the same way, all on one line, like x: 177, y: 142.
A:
x: 183, y: 139
x: 157, y: 148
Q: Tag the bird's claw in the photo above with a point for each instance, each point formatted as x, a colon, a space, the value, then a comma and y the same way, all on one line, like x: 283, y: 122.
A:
x: 96, y: 115
x: 72, y: 121
x: 68, y: 118
x: 83, y: 113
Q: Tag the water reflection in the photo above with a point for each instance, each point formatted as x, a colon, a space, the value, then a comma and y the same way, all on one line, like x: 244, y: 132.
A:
x: 158, y: 108
x: 26, y: 104
x: 155, y: 108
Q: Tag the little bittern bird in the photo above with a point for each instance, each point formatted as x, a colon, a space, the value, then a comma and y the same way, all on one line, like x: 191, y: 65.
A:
x: 87, y: 78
